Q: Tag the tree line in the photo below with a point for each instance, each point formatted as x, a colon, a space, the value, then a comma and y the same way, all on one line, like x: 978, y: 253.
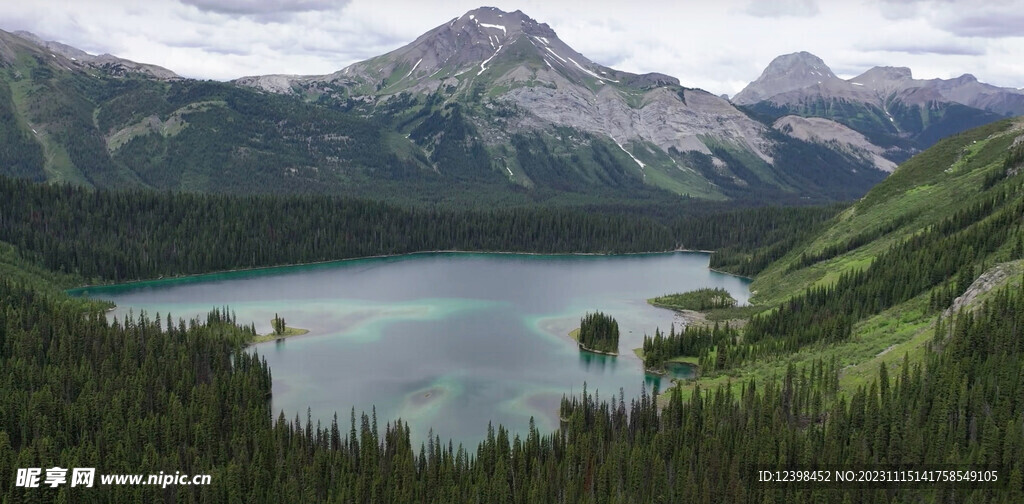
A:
x: 128, y: 235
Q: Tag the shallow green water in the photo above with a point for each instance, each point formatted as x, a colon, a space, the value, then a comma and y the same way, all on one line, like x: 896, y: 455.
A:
x: 444, y: 341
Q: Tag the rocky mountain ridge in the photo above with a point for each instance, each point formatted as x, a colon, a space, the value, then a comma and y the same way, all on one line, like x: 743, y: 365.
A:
x: 538, y: 73
x: 897, y: 114
x: 71, y: 57
x: 796, y: 77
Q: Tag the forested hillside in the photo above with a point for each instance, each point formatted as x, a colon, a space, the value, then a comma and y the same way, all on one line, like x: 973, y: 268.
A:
x: 104, y: 235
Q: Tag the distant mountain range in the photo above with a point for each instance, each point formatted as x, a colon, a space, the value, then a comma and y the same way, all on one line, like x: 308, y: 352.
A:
x: 491, y: 106
x: 896, y: 114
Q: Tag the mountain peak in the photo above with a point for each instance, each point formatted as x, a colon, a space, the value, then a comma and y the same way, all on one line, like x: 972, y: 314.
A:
x: 884, y: 78
x: 494, y: 14
x: 491, y: 23
x: 798, y: 62
x: 485, y: 42
x: 788, y: 72
x: 887, y: 73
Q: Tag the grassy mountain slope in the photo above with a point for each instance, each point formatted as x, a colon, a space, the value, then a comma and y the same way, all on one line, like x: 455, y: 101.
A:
x: 961, y: 199
x: 933, y: 185
x: 103, y: 131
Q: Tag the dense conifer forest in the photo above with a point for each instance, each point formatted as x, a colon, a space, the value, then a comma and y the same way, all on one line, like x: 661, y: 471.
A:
x: 131, y: 235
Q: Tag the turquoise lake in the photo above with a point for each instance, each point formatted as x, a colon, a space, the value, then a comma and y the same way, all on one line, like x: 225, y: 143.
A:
x: 445, y: 341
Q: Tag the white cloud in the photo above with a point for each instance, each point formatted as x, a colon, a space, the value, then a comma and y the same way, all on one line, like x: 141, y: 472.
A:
x: 718, y: 46
x: 262, y: 6
x: 780, y: 8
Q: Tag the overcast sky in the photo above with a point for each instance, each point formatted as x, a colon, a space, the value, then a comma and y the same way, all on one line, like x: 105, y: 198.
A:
x: 718, y: 45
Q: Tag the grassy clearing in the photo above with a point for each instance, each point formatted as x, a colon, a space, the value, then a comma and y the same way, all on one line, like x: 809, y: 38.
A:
x: 288, y: 332
x: 882, y: 338
x: 680, y: 181
x: 736, y: 316
x: 697, y: 300
x: 147, y: 125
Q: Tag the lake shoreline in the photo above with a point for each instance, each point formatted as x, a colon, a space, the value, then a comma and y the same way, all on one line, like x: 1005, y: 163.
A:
x: 663, y: 371
x: 599, y: 352
x: 723, y: 271
x: 388, y: 256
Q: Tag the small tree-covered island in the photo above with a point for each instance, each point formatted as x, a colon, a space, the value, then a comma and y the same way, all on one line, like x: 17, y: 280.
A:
x: 598, y: 333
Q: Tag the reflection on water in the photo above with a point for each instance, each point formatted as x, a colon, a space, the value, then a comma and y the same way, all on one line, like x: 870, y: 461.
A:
x: 443, y: 341
x: 680, y: 370
x: 598, y: 363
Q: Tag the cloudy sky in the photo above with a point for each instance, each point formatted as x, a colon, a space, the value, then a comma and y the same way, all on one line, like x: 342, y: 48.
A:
x: 717, y: 45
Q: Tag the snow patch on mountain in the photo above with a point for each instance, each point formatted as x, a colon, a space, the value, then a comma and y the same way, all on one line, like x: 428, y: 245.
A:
x: 414, y: 67
x: 553, y: 53
x: 497, y: 27
x: 588, y: 72
x: 483, y: 65
x: 638, y: 162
